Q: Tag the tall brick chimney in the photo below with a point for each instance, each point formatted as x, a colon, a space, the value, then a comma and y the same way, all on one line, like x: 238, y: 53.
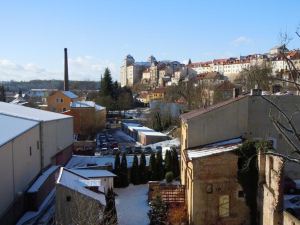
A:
x: 66, y: 80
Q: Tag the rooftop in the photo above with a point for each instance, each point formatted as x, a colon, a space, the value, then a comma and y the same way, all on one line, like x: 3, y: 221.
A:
x: 79, y: 184
x: 86, y: 104
x: 12, y: 127
x: 215, y: 148
x: 69, y: 94
x: 93, y: 173
x: 198, y: 112
x: 29, y: 113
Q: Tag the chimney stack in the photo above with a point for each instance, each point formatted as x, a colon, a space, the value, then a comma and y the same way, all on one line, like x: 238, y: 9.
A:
x: 66, y: 80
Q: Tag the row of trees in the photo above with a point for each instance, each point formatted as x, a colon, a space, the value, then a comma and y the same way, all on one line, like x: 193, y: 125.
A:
x: 112, y: 95
x: 140, y: 174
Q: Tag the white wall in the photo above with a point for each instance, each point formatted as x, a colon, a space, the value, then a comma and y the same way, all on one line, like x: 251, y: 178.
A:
x: 57, y: 135
x: 17, y: 167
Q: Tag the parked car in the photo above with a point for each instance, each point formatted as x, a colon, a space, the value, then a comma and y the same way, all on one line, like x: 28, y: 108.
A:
x: 137, y: 149
x: 128, y: 150
x: 290, y: 186
x: 148, y: 150
x: 115, y: 151
x: 114, y: 145
x: 158, y: 148
x: 292, y: 201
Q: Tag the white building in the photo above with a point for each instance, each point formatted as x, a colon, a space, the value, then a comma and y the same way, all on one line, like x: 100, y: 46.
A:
x: 30, y: 141
x: 131, y: 71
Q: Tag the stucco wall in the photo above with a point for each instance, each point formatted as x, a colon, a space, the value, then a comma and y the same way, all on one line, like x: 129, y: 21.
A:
x: 74, y: 208
x: 55, y: 106
x: 218, y: 172
x: 289, y: 219
x: 219, y: 124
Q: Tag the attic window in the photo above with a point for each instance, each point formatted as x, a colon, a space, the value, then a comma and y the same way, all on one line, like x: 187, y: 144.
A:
x: 68, y: 198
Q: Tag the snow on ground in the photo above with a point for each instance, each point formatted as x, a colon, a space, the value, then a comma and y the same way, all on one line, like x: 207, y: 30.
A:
x: 132, y: 205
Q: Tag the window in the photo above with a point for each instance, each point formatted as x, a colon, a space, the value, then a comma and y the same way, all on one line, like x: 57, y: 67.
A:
x: 61, y: 100
x: 38, y: 145
x: 241, y: 194
x: 224, y: 206
x: 68, y: 198
x: 30, y: 153
x: 64, y: 109
x: 209, y: 188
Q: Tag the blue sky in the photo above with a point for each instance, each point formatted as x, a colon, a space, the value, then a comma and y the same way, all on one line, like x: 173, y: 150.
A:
x: 101, y: 33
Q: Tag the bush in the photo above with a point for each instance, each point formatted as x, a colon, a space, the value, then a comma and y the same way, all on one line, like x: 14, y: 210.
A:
x: 169, y: 177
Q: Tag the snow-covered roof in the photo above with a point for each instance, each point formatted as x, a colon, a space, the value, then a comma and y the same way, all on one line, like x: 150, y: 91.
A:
x: 86, y: 104
x: 69, y: 94
x: 153, y: 133
x: 79, y: 161
x: 29, y: 113
x: 215, y: 148
x: 12, y: 127
x: 93, y: 173
x: 139, y: 129
x: 79, y: 184
x: 41, y: 179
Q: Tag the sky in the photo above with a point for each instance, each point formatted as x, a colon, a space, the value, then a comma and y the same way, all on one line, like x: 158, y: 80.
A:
x: 100, y: 33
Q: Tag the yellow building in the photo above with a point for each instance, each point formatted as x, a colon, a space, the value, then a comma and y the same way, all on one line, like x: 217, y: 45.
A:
x: 60, y: 101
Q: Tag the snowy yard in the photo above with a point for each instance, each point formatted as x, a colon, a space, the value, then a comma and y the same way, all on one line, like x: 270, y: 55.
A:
x: 132, y: 205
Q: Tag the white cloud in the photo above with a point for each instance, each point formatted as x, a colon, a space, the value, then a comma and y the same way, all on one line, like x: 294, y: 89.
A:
x: 242, y: 40
x: 80, y: 68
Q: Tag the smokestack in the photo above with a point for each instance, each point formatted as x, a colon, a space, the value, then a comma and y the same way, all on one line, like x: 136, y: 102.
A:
x: 66, y: 80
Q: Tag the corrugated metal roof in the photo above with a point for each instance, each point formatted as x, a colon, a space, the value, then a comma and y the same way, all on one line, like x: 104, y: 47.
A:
x: 215, y: 148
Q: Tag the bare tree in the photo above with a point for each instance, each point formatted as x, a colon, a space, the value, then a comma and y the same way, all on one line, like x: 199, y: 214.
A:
x: 282, y: 121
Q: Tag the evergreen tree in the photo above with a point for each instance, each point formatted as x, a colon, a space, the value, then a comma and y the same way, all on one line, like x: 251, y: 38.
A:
x: 117, y: 170
x: 158, y: 211
x: 2, y: 94
x: 160, y: 166
x: 152, y: 167
x: 106, y: 85
x: 124, y: 171
x: 143, y: 176
x: 190, y: 62
x: 134, y: 175
x: 110, y: 216
x: 175, y: 163
x: 168, y: 162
